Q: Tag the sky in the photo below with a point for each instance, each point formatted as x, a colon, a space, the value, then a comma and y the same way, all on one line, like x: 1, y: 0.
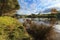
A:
x: 36, y: 6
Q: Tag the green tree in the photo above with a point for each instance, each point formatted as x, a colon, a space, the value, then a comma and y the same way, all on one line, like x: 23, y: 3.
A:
x: 33, y: 15
x: 58, y: 16
x: 8, y: 6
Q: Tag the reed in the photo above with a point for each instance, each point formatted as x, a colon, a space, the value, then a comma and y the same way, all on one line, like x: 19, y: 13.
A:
x: 42, y: 32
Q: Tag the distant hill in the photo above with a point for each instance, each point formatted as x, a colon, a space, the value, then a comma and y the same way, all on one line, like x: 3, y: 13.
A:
x: 49, y: 10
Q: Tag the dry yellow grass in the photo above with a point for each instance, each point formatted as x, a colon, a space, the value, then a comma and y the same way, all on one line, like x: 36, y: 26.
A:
x: 42, y: 32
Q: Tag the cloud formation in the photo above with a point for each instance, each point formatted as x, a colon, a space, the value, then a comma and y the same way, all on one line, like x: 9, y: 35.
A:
x: 34, y: 6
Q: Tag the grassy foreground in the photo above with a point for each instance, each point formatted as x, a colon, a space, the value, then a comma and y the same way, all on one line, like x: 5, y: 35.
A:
x: 42, y: 32
x: 11, y: 29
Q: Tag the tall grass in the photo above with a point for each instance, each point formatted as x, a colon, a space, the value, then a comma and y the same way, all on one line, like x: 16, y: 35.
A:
x: 42, y: 32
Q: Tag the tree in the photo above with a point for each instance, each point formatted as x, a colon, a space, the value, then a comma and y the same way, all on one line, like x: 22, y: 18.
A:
x: 8, y: 6
x: 54, y: 11
x: 58, y: 16
x: 11, y: 28
x: 33, y: 15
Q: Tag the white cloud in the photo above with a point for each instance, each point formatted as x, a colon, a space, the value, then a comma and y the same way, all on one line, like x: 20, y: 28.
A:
x: 33, y: 6
x: 57, y: 5
x: 38, y: 5
x: 49, y: 3
x: 23, y: 12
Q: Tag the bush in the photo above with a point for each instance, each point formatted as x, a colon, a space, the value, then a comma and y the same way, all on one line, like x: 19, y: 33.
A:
x: 42, y: 32
x: 11, y: 29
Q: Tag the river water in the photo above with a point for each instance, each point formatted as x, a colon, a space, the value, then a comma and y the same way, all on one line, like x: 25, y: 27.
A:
x: 43, y: 21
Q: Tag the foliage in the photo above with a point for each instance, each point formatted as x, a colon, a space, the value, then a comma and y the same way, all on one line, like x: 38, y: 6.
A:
x: 42, y: 16
x: 8, y: 5
x: 42, y: 32
x: 58, y: 16
x: 11, y: 29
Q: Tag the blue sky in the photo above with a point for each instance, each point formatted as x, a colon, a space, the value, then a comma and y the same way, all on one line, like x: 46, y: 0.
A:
x: 35, y: 6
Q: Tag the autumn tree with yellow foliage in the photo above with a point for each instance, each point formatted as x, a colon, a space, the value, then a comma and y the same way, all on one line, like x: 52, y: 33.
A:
x: 11, y: 28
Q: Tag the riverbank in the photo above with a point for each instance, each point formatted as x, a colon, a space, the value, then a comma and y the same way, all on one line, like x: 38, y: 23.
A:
x: 42, y: 24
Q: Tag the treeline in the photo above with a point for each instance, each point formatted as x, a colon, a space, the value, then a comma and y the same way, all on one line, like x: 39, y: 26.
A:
x: 42, y: 16
x: 39, y: 16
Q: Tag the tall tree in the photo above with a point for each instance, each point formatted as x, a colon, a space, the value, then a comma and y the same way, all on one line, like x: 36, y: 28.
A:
x: 7, y: 6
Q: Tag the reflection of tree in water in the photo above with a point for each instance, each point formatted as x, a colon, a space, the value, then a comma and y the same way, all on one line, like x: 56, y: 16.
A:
x: 53, y: 20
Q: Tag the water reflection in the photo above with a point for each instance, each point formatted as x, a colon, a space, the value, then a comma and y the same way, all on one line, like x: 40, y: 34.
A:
x: 44, y: 21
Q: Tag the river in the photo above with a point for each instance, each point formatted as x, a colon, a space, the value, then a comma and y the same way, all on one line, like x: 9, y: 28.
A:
x: 43, y: 21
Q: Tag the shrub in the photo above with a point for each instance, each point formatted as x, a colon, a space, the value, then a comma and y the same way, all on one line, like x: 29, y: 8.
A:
x: 11, y: 29
x: 42, y: 32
